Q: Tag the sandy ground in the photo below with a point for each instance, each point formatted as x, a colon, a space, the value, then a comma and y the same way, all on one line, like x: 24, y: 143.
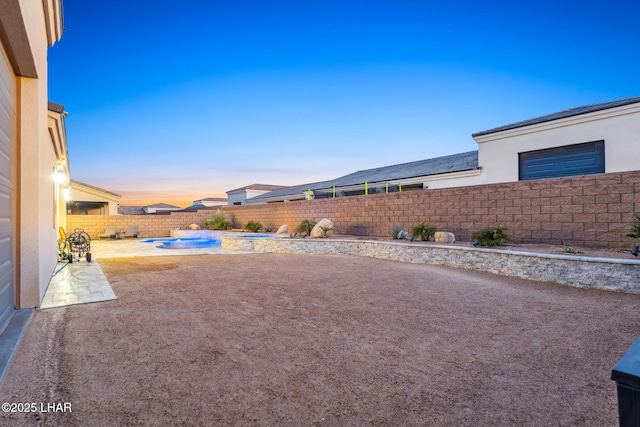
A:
x: 294, y: 340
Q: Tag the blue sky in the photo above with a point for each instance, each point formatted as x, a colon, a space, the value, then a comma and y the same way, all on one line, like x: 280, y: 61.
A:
x: 175, y: 101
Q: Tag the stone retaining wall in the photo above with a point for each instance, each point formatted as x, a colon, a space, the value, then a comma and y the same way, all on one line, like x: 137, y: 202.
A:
x: 583, y: 272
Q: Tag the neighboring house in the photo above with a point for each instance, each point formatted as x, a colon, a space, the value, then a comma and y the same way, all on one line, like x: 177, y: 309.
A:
x: 598, y: 138
x: 86, y: 199
x: 34, y: 168
x: 402, y: 177
x: 160, y: 208
x: 211, y: 201
x: 206, y: 203
x: 131, y: 210
x: 157, y: 208
x: 239, y: 196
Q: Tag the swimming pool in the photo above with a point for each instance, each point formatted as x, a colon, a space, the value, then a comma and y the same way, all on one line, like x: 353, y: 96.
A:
x: 184, y: 242
x: 208, y: 240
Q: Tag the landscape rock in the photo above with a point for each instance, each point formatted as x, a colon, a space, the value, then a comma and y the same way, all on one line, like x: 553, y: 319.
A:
x: 444, y: 237
x: 317, y: 231
x: 405, y: 235
x: 194, y: 227
x: 284, y: 228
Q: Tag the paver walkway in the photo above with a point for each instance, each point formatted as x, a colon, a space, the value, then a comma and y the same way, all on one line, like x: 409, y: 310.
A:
x: 77, y: 283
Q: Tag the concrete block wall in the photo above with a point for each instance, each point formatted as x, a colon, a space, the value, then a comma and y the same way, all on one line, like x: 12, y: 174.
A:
x: 148, y: 225
x: 592, y: 210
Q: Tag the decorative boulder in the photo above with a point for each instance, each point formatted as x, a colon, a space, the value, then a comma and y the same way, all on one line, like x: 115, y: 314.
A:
x: 405, y: 235
x: 284, y: 229
x: 444, y: 237
x: 194, y: 227
x: 318, y: 232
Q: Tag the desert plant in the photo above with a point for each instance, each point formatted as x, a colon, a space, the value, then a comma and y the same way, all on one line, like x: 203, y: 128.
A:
x: 423, y: 231
x: 395, y: 231
x: 218, y: 222
x: 254, y: 226
x: 634, y: 230
x: 325, y: 230
x: 306, y: 226
x: 493, y: 236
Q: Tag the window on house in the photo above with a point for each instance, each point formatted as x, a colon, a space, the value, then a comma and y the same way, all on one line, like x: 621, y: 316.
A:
x: 568, y: 160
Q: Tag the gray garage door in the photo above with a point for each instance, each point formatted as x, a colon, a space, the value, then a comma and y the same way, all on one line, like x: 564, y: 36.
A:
x: 569, y: 160
x: 7, y: 190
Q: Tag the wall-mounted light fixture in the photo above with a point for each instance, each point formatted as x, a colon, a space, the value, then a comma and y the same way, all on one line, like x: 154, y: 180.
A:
x: 59, y: 176
x: 66, y: 193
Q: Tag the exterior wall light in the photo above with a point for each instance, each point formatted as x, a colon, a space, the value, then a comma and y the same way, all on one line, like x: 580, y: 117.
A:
x: 59, y: 177
x: 66, y: 193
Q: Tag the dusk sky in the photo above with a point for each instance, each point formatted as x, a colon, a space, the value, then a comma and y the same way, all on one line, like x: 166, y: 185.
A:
x: 176, y: 101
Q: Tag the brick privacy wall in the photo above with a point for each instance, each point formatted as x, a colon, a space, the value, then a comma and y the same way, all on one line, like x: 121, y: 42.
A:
x: 592, y: 210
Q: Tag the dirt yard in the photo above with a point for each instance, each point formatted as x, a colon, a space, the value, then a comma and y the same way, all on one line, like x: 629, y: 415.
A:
x: 295, y: 340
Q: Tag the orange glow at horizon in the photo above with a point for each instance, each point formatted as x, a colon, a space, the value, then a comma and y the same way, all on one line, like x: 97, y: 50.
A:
x: 181, y: 200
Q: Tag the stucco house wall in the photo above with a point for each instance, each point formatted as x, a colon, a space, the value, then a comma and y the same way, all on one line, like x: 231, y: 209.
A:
x: 27, y: 29
x: 243, y: 195
x: 234, y: 197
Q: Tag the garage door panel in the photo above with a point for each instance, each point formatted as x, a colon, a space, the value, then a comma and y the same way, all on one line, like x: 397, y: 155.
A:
x: 7, y: 117
x: 580, y: 163
x: 5, y: 252
x: 572, y: 160
x: 5, y: 169
x: 6, y: 293
x: 5, y: 207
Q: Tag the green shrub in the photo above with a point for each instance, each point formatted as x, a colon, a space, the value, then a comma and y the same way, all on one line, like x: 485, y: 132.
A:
x: 494, y: 236
x: 325, y: 230
x: 395, y: 231
x: 634, y: 230
x: 254, y: 226
x: 218, y: 222
x: 306, y: 226
x: 423, y: 231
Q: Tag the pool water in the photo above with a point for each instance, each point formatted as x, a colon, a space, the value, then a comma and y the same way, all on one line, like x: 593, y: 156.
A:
x: 184, y: 243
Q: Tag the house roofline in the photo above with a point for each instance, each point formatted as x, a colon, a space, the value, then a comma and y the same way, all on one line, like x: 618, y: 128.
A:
x: 572, y: 112
x: 93, y: 187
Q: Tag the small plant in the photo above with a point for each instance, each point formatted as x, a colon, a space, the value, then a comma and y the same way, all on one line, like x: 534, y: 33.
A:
x: 254, y: 226
x: 268, y: 229
x: 325, y: 230
x: 634, y: 230
x: 306, y: 226
x: 494, y: 236
x: 634, y: 233
x: 218, y: 222
x: 571, y: 250
x: 396, y: 230
x: 423, y: 231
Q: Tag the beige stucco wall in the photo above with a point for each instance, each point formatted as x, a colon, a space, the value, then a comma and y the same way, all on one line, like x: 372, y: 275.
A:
x: 618, y: 127
x: 448, y: 180
x: 243, y: 196
x: 236, y: 197
x: 36, y: 254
